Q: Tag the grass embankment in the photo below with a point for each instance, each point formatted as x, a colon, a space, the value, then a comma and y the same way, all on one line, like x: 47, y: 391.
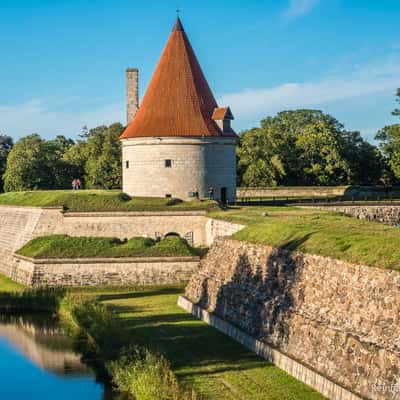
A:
x: 100, y: 200
x: 215, y: 366
x: 319, y: 232
x: 63, y: 246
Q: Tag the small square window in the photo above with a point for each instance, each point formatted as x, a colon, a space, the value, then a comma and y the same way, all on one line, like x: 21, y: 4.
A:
x: 126, y: 164
x: 168, y: 163
x: 168, y: 196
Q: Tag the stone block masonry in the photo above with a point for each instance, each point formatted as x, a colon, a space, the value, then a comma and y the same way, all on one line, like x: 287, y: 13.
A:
x: 389, y: 215
x: 292, y: 367
x: 18, y: 225
x: 104, y: 271
x: 339, y: 319
x: 132, y: 93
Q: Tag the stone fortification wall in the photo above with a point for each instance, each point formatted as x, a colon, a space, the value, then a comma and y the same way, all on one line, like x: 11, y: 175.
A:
x: 385, y: 214
x: 216, y: 228
x: 338, y: 319
x: 292, y: 192
x: 17, y: 226
x: 125, y: 224
x: 104, y: 271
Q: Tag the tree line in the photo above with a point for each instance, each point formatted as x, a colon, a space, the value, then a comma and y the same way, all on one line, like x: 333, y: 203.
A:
x: 299, y: 147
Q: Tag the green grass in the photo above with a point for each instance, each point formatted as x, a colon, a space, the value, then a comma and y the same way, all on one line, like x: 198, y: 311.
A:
x: 8, y: 285
x: 100, y: 200
x: 63, y: 246
x: 319, y: 232
x: 203, y: 358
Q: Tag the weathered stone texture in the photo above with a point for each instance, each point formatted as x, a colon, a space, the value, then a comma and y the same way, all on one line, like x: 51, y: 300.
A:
x: 18, y: 225
x: 127, y: 271
x: 132, y: 93
x: 342, y: 320
x: 385, y: 214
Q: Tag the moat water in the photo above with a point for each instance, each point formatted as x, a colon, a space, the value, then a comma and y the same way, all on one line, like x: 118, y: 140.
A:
x: 37, y: 362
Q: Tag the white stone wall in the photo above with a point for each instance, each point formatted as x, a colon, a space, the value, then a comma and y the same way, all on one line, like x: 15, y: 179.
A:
x: 197, y: 164
x: 216, y: 228
x: 104, y: 271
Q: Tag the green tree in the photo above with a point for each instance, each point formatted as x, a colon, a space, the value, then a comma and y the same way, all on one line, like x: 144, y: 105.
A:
x: 389, y: 138
x: 258, y: 165
x: 34, y: 163
x: 366, y: 164
x: 305, y: 147
x: 6, y: 144
x: 97, y: 157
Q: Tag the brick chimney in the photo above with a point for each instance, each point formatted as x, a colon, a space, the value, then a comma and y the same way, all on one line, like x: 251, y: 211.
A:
x: 132, y: 93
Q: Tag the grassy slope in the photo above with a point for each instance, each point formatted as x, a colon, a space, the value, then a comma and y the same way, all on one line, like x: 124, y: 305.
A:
x: 99, y: 200
x: 215, y: 365
x: 7, y: 285
x: 212, y: 363
x: 319, y: 232
x: 63, y: 246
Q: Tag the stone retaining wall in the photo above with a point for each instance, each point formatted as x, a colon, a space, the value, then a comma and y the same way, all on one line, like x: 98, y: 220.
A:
x: 18, y: 225
x: 292, y: 367
x: 339, y: 319
x: 385, y: 214
x: 216, y: 228
x: 103, y: 271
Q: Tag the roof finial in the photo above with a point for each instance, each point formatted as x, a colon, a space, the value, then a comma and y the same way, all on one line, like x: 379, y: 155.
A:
x: 178, y: 24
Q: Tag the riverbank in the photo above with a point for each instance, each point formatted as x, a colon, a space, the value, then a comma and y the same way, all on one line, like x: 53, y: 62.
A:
x: 204, y: 359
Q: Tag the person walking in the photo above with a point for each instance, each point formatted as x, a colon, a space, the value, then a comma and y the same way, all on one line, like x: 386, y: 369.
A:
x: 210, y: 192
x: 74, y: 184
x: 78, y: 184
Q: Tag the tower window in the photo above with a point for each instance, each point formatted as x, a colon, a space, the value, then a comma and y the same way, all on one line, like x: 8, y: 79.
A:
x: 126, y: 164
x: 168, y: 163
x: 168, y: 196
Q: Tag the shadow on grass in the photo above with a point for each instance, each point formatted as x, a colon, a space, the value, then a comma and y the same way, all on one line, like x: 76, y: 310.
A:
x: 187, y: 343
x: 144, y: 293
x: 294, y: 244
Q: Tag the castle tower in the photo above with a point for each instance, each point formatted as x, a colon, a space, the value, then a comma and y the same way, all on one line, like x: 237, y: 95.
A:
x: 179, y: 142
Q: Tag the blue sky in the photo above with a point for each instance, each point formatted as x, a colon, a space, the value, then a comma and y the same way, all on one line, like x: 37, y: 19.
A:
x: 62, y: 62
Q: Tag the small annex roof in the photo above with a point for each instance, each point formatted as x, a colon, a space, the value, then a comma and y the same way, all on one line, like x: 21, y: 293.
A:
x: 222, y: 113
x: 178, y: 100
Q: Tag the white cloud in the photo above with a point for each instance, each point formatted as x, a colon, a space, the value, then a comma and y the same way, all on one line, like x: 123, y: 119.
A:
x: 366, y: 80
x: 38, y: 116
x: 299, y: 8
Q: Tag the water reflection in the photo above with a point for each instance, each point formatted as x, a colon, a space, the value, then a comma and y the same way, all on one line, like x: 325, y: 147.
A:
x: 37, y: 362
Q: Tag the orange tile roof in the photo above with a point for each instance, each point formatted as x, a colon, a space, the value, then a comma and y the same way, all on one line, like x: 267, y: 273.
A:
x: 178, y: 101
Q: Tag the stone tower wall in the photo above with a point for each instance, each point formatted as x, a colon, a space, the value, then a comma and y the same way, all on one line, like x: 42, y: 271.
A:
x: 196, y: 164
x: 132, y: 93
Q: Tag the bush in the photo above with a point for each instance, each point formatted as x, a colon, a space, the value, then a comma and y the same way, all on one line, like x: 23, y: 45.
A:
x: 146, y: 376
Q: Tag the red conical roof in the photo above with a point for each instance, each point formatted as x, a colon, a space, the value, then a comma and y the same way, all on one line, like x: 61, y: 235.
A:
x: 178, y: 101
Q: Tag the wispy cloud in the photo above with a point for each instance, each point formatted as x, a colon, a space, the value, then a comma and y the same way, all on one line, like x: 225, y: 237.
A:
x: 366, y: 80
x: 44, y: 117
x: 299, y: 8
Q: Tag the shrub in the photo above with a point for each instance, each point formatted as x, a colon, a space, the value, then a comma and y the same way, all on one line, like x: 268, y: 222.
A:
x: 146, y: 376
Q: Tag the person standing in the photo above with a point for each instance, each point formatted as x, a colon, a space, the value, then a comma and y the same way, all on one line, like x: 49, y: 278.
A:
x: 74, y: 184
x: 210, y: 192
x: 78, y: 184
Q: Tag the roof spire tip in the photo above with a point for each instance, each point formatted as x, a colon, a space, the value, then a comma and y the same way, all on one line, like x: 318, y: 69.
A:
x: 178, y: 24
